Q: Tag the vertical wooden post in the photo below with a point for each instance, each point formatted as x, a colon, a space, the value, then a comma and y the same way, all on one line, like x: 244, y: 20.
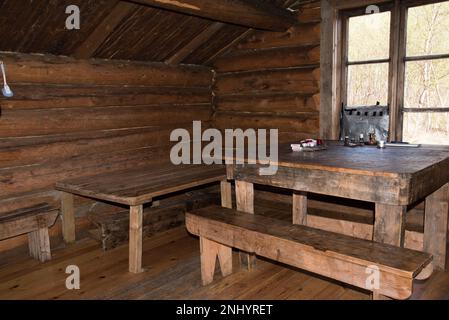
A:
x: 300, y: 208
x: 32, y: 244
x: 389, y: 224
x: 39, y: 244
x: 225, y: 259
x: 226, y: 194
x: 68, y: 217
x: 435, y: 225
x: 389, y: 228
x: 135, y: 238
x: 208, y: 258
x: 39, y: 241
x: 331, y: 58
x: 244, y: 192
x: 209, y: 250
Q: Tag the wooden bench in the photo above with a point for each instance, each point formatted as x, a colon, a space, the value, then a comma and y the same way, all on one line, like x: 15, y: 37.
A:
x: 33, y: 221
x: 134, y: 188
x: 336, y: 256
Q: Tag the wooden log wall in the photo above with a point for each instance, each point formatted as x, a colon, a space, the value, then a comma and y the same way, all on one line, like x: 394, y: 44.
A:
x: 271, y: 80
x: 77, y: 117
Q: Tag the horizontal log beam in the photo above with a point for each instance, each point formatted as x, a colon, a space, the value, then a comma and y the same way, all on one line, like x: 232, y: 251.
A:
x: 254, y: 14
x: 49, y: 69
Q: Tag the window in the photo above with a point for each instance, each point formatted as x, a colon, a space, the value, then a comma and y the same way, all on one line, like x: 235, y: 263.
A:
x: 399, y: 57
x: 367, y: 59
x: 426, y: 91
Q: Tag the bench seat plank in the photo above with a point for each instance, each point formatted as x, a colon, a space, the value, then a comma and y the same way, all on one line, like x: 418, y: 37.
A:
x: 333, y: 255
x: 25, y: 220
x: 141, y: 185
x: 34, y: 221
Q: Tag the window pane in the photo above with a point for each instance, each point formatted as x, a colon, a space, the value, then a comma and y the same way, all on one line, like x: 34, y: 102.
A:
x: 368, y: 84
x: 428, y: 29
x: 427, y: 84
x: 428, y: 128
x: 369, y: 37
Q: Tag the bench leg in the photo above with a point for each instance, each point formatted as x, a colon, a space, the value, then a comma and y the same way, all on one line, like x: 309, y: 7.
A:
x: 135, y: 238
x: 68, y: 217
x: 245, y: 202
x: 226, y: 194
x: 39, y: 244
x: 210, y: 250
x: 435, y: 226
x: 300, y: 208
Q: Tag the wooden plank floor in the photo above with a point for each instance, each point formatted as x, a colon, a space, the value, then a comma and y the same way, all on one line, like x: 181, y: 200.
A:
x: 171, y: 261
x: 172, y: 271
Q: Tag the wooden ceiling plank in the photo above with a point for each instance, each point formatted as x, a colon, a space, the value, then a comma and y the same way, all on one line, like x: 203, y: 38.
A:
x: 196, y: 42
x: 228, y: 47
x: 96, y: 38
x: 253, y: 14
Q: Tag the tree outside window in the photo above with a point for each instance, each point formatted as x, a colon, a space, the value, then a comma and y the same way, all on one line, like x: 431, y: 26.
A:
x: 423, y: 88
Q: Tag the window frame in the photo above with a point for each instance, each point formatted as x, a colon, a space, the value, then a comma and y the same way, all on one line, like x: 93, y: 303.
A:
x: 344, y: 17
x: 397, y: 59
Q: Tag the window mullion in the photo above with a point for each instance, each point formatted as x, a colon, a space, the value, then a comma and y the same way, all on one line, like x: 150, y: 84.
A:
x: 399, y: 94
x: 344, y: 59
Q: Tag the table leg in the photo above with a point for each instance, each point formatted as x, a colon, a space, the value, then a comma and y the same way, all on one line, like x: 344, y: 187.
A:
x: 435, y: 226
x: 244, y: 192
x: 135, y: 238
x: 389, y: 224
x: 389, y: 227
x: 68, y: 217
x: 226, y: 194
x: 300, y: 208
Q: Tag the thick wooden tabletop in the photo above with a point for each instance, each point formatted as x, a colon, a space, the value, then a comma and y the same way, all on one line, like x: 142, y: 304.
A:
x: 140, y: 185
x: 367, y: 160
x: 392, y: 175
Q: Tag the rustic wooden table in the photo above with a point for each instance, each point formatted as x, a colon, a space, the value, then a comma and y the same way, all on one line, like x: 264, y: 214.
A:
x: 134, y: 188
x: 392, y: 178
